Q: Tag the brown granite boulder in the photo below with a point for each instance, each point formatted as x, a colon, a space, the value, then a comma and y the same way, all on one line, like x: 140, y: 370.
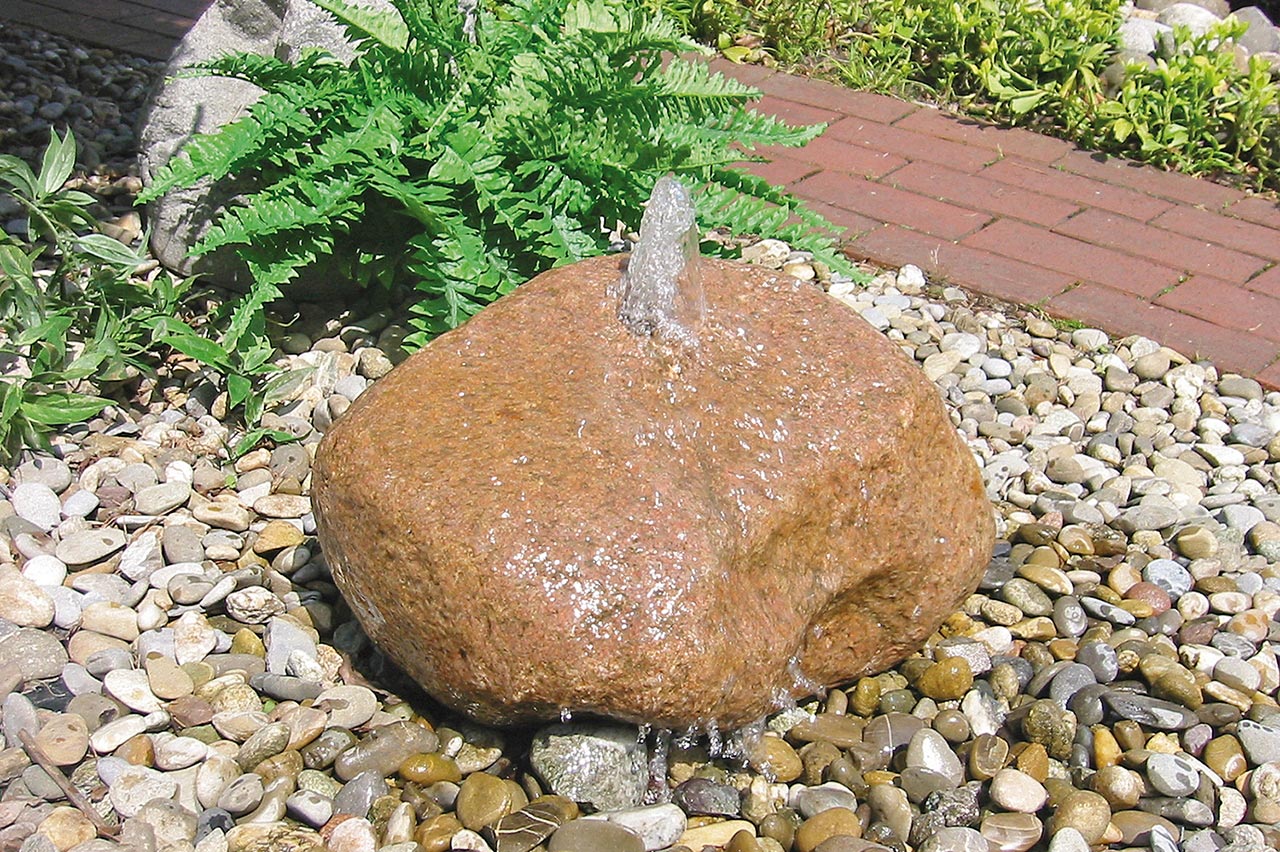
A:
x: 542, y: 511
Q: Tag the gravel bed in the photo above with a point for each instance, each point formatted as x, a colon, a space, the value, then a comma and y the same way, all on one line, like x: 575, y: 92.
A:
x: 174, y: 652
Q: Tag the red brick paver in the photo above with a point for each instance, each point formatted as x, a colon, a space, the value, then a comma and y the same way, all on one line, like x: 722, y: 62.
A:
x: 1005, y: 212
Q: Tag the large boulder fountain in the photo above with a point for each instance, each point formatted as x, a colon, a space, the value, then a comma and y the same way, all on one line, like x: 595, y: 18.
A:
x: 687, y: 509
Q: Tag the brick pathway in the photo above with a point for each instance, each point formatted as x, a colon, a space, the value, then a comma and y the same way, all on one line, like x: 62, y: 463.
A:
x: 1009, y: 213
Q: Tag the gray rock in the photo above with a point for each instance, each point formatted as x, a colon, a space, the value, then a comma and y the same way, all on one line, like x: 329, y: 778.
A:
x: 1172, y: 774
x: 1140, y: 35
x: 37, y: 503
x: 357, y: 795
x: 1261, y: 37
x: 1168, y: 575
x: 1152, y: 712
x: 88, y: 546
x: 185, y: 106
x: 283, y: 637
x: 1195, y: 18
x: 603, y: 765
x: 163, y: 498
x: 659, y: 826
x: 1261, y: 742
x: 309, y: 807
x: 46, y: 470
x: 810, y: 801
x: 704, y: 797
x: 955, y: 839
x: 37, y: 654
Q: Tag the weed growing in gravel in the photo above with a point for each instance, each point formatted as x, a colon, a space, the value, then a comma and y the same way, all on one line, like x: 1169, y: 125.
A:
x: 466, y: 149
x: 79, y: 318
x: 1034, y: 62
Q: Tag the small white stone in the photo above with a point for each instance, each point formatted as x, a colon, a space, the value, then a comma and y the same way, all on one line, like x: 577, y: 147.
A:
x: 137, y: 785
x: 37, y: 504
x: 131, y: 688
x: 45, y: 570
x: 115, y: 733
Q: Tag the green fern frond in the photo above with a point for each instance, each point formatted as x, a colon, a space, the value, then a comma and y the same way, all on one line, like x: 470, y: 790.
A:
x: 364, y: 24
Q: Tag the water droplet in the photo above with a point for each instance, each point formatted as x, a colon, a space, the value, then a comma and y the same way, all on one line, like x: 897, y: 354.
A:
x: 566, y: 715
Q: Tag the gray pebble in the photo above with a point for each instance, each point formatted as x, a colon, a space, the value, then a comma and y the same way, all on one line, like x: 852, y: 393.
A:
x: 357, y: 795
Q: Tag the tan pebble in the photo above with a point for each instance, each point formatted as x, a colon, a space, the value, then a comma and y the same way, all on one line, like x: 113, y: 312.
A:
x: 959, y: 624
x: 1178, y: 685
x: 166, y: 678
x: 436, y: 833
x: 948, y: 680
x: 1163, y: 743
x: 1224, y: 756
x: 247, y: 642
x: 482, y: 800
x: 1121, y: 787
x: 430, y: 768
x: 282, y: 506
x: 714, y: 833
x: 1106, y: 751
x: 110, y: 619
x: 1138, y: 609
x: 1051, y: 579
x: 1063, y: 649
x: 277, y: 535
x: 1011, y: 832
x: 137, y: 750
x: 64, y: 739
x: 1086, y: 812
x: 1221, y: 692
x: 83, y: 644
x: 1123, y: 577
x: 776, y: 759
x: 879, y: 776
x: 743, y: 841
x: 1040, y: 629
x: 1252, y: 624
x: 829, y: 823
x: 286, y: 764
x: 987, y: 756
x: 1077, y: 540
x: 1196, y: 542
x: 1033, y: 759
x: 841, y: 731
x: 67, y: 827
x: 1000, y: 613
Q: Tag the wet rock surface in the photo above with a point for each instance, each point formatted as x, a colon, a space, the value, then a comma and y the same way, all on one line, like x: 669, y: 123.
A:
x: 780, y: 507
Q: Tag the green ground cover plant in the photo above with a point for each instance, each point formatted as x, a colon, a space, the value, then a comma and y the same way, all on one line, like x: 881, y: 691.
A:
x: 73, y: 316
x: 465, y: 149
x: 1047, y: 64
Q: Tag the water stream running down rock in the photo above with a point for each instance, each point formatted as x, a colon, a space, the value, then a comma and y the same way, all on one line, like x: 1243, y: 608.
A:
x: 661, y: 290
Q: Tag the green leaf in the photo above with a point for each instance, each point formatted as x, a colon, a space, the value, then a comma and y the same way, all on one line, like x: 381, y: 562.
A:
x: 109, y: 250
x: 254, y: 437
x: 59, y: 160
x: 52, y: 331
x: 238, y: 389
x: 60, y: 408
x: 18, y: 174
x: 1023, y: 104
x: 202, y: 349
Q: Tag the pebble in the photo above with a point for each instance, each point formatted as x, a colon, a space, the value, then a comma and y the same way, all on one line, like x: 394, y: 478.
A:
x: 586, y: 835
x: 89, y: 546
x: 1016, y: 791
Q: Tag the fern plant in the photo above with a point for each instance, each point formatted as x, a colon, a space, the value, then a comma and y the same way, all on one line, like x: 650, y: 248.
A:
x: 466, y: 149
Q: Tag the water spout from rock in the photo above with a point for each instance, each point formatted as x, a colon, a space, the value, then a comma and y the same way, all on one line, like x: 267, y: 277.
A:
x: 661, y: 291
